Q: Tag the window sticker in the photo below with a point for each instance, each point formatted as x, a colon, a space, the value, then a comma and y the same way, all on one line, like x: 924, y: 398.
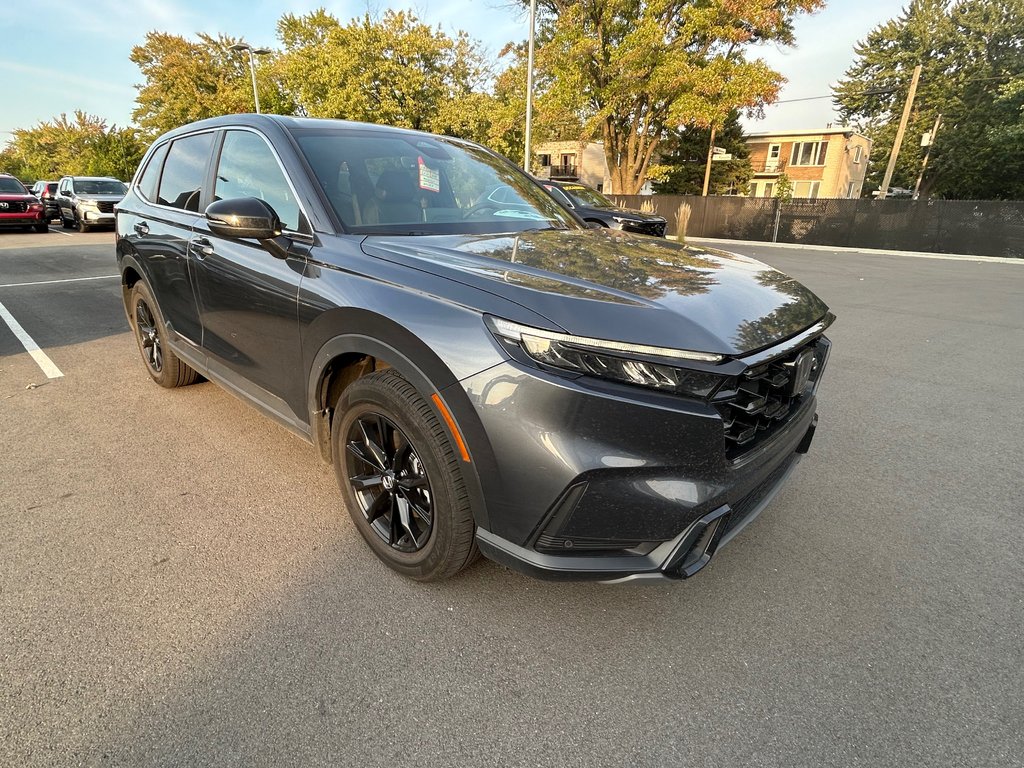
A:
x: 430, y: 178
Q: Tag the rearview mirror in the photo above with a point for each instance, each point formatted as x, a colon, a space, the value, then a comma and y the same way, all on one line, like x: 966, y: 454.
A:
x: 243, y: 217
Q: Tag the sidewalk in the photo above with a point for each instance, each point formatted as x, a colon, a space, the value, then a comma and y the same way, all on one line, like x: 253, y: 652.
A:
x: 715, y: 243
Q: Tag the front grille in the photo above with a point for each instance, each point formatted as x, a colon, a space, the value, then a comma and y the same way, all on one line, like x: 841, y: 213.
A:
x: 14, y: 206
x: 105, y: 206
x: 766, y: 397
x: 657, y: 229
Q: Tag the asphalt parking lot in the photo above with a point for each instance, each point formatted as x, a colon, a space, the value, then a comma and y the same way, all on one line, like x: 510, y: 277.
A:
x: 179, y: 587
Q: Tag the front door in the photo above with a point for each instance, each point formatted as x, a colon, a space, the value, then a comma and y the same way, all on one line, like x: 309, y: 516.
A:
x: 248, y: 299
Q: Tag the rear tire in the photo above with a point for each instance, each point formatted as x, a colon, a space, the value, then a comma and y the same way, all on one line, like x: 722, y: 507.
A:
x: 401, y: 478
x: 162, y: 364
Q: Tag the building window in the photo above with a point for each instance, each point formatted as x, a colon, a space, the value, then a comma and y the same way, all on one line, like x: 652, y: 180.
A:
x: 809, y: 153
x: 806, y: 190
x: 769, y: 187
x: 544, y: 160
x: 772, y: 161
x: 753, y: 189
x: 858, y: 153
x: 849, y: 190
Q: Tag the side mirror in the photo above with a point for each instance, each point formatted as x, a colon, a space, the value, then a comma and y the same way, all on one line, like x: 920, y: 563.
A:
x: 65, y: 193
x: 247, y: 217
x: 243, y: 217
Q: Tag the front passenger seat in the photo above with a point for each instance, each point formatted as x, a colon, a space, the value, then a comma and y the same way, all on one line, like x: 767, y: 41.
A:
x: 394, y: 201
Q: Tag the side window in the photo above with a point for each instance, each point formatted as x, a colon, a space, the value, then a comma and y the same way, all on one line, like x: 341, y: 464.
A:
x: 151, y: 176
x: 182, y: 180
x: 248, y: 168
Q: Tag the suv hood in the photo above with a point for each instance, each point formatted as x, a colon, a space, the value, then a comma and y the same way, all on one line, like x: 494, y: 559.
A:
x: 101, y: 198
x: 623, y: 212
x: 611, y: 285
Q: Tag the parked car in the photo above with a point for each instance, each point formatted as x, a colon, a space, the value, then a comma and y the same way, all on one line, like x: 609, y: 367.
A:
x: 19, y: 207
x: 492, y: 376
x: 46, y: 191
x: 591, y: 206
x: 88, y: 201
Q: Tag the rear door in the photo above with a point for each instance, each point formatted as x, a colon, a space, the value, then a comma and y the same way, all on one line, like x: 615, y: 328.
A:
x: 248, y: 299
x: 173, y: 187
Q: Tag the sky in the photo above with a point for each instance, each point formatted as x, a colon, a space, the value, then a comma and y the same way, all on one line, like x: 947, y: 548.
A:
x: 65, y: 56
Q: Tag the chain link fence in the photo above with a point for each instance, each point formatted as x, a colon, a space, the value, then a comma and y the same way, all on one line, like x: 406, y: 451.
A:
x: 983, y: 228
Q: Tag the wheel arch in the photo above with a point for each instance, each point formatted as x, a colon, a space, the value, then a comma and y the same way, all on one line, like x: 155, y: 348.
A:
x: 373, y: 342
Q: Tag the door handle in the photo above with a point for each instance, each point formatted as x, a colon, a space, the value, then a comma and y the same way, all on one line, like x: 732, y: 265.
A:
x: 141, y: 228
x: 202, y: 247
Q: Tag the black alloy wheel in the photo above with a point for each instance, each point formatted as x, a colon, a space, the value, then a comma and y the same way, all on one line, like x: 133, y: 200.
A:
x: 162, y: 364
x: 389, y: 482
x: 402, y: 478
x: 149, y: 338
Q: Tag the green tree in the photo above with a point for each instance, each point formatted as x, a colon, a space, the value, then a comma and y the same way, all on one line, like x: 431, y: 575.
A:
x: 393, y: 70
x: 633, y: 68
x: 970, y: 54
x: 80, y: 146
x: 685, y: 153
x: 784, y: 189
x: 189, y: 80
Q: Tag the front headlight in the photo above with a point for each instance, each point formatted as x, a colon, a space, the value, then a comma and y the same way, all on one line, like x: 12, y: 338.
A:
x: 613, y: 360
x: 88, y: 204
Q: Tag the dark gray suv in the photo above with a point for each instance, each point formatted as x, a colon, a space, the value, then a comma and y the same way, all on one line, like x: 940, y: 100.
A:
x: 484, y: 371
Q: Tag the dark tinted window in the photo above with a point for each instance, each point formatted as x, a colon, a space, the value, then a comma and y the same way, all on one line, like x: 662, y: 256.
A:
x: 248, y: 168
x: 184, y: 170
x: 12, y: 186
x: 151, y: 176
x: 99, y: 187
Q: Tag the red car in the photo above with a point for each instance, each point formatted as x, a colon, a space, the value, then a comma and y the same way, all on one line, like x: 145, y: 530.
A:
x: 18, y: 207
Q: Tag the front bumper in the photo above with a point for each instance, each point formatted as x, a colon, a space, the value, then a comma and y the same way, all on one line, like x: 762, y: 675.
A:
x: 21, y: 219
x: 608, y: 482
x: 679, y: 558
x: 92, y: 216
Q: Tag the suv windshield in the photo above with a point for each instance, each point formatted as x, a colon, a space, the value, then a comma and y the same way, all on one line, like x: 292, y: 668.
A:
x: 11, y: 186
x: 586, y: 196
x: 99, y: 187
x: 411, y: 184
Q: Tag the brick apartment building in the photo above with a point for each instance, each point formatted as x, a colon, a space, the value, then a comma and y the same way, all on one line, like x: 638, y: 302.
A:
x: 819, y: 163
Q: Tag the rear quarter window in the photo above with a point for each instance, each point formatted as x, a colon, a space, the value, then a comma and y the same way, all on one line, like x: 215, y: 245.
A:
x: 181, y: 183
x: 150, y: 177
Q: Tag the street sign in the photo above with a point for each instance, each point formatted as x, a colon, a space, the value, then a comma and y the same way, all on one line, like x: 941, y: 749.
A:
x: 718, y: 150
x: 722, y: 156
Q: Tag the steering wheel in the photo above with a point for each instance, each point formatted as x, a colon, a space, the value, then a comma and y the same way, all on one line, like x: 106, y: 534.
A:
x: 484, y: 205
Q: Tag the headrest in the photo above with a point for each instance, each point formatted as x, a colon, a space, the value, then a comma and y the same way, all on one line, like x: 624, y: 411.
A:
x: 395, y: 187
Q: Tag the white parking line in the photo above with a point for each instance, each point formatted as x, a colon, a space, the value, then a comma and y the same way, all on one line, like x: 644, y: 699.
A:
x: 66, y: 234
x: 65, y: 280
x: 44, y: 362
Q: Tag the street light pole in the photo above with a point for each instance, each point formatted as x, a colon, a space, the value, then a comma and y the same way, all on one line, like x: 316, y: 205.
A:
x: 899, y: 133
x: 252, y: 68
x: 529, y: 86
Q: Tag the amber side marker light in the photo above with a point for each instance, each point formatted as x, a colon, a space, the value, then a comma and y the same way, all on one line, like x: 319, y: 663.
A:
x: 451, y: 425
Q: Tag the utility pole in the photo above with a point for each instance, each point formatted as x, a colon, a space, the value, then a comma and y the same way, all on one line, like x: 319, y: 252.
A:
x: 529, y: 86
x: 707, y: 167
x: 907, y: 106
x: 927, y: 154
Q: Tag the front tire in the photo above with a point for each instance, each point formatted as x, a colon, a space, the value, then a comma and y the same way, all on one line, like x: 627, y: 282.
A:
x: 82, y: 226
x: 162, y: 364
x: 64, y: 222
x: 42, y: 227
x: 401, y: 478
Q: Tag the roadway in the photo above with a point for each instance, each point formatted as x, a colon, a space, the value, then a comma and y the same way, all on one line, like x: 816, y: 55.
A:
x: 179, y: 585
